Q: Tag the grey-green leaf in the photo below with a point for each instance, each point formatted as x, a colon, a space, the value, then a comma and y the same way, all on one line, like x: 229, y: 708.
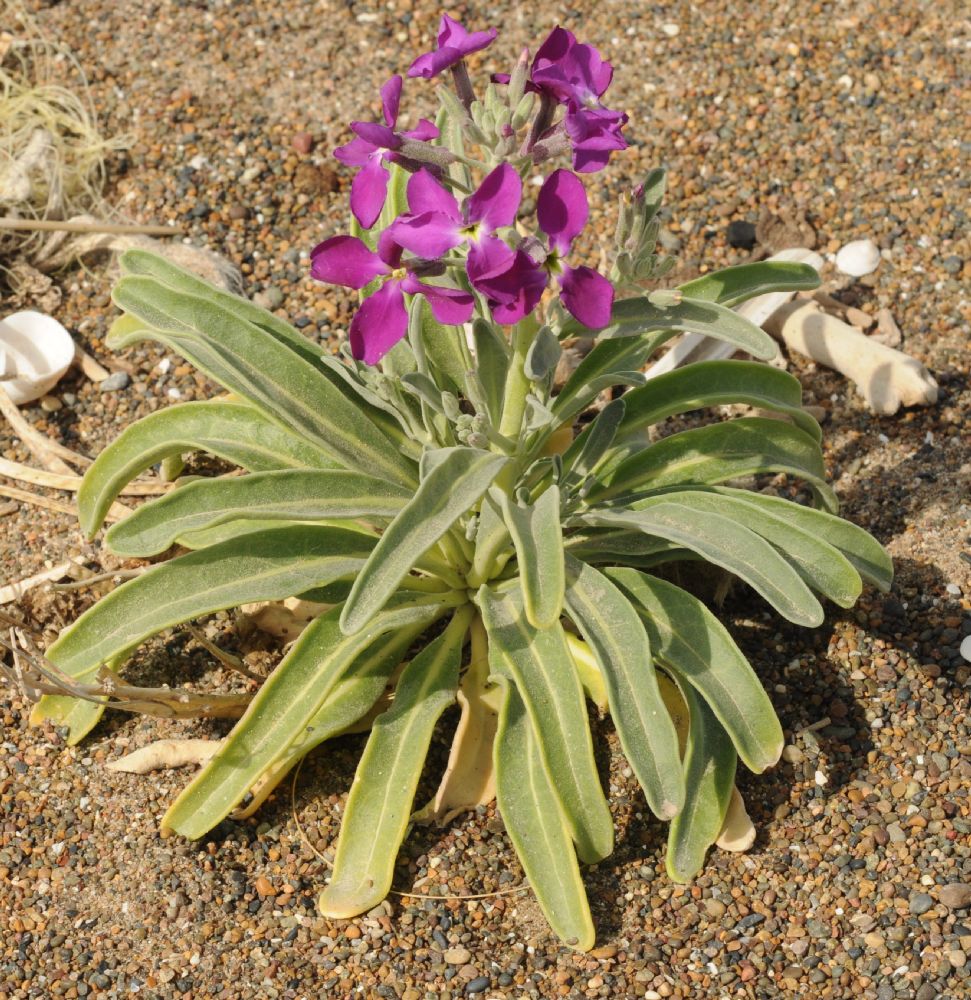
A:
x: 690, y: 641
x: 539, y: 663
x: 492, y: 363
x: 379, y: 803
x: 734, y: 285
x: 727, y: 544
x: 291, y: 495
x: 236, y: 432
x: 709, y: 775
x: 538, y: 538
x: 589, y: 447
x: 457, y: 479
x: 615, y: 633
x: 285, y: 704
x: 536, y: 824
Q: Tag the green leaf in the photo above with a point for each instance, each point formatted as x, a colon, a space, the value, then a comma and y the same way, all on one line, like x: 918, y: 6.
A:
x: 249, y: 361
x: 265, y: 567
x: 458, y: 478
x: 733, y: 285
x: 615, y: 633
x: 443, y: 351
x: 543, y: 355
x: 690, y: 642
x: 709, y: 775
x: 540, y: 664
x: 235, y: 432
x: 291, y: 495
x: 717, y: 453
x: 723, y: 542
x: 629, y: 547
x: 538, y: 538
x: 537, y: 826
x: 245, y: 526
x: 717, y: 383
x: 590, y: 446
x: 286, y: 703
x: 866, y: 554
x: 492, y: 363
x: 379, y: 804
x: 823, y: 567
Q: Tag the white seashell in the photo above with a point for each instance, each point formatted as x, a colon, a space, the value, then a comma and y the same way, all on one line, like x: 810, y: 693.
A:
x: 858, y: 258
x: 35, y: 351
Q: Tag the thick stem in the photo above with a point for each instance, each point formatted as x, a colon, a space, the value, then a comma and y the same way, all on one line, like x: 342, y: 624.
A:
x: 463, y: 85
x: 517, y: 384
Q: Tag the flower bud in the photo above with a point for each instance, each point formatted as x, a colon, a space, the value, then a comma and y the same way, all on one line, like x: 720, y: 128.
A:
x: 524, y: 108
x: 517, y: 79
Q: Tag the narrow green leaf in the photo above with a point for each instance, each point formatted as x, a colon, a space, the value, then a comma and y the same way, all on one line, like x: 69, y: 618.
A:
x: 538, y: 538
x: 626, y: 546
x: 235, y: 432
x: 590, y: 446
x: 723, y: 542
x: 492, y: 363
x: 379, y: 804
x: 457, y: 480
x: 615, y: 633
x: 249, y: 361
x: 537, y: 826
x: 822, y: 567
x: 265, y: 567
x: 717, y: 383
x: 245, y: 526
x: 709, y: 775
x: 717, y: 453
x: 291, y: 495
x: 442, y: 350
x: 539, y: 663
x: 734, y: 285
x: 690, y: 641
x: 866, y: 554
x: 285, y: 704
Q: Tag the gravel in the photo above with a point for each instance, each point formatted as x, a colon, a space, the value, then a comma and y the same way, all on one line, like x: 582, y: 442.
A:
x: 851, y: 114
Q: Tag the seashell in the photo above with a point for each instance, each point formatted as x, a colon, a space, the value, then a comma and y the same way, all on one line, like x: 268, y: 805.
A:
x: 858, y: 258
x: 35, y: 351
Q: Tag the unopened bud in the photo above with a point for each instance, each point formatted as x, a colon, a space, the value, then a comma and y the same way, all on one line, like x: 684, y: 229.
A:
x: 474, y: 440
x: 450, y: 406
x: 524, y: 108
x: 472, y: 528
x: 517, y: 79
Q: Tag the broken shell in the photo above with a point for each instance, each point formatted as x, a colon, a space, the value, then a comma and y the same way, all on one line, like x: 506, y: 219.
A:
x: 35, y: 351
x: 858, y: 258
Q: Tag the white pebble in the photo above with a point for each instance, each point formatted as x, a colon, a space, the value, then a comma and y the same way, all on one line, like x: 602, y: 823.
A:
x: 820, y: 778
x: 966, y: 648
x: 671, y: 30
x: 858, y: 258
x: 953, y: 589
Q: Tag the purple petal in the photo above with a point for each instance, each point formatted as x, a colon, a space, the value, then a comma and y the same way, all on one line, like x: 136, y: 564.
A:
x: 379, y: 135
x: 561, y: 209
x: 355, y: 153
x: 555, y: 46
x: 496, y: 201
x: 379, y: 324
x: 515, y: 292
x: 424, y: 131
x: 449, y: 305
x: 595, y: 133
x: 590, y: 68
x: 588, y: 295
x: 428, y: 235
x: 390, y: 99
x: 425, y: 194
x: 432, y: 63
x: 487, y: 258
x: 451, y: 34
x: 389, y: 249
x: 368, y: 192
x: 345, y: 260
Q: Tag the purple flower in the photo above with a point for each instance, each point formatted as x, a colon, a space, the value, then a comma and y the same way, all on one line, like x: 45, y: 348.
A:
x: 437, y: 223
x: 454, y: 44
x: 382, y: 319
x: 594, y: 134
x: 373, y: 146
x: 514, y: 292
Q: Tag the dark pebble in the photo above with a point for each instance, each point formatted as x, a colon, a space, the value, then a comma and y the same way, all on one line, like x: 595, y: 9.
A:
x: 478, y: 985
x: 920, y: 903
x: 114, y: 382
x: 741, y: 234
x: 752, y: 920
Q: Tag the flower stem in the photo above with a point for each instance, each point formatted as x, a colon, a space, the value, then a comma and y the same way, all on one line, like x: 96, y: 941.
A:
x: 517, y: 384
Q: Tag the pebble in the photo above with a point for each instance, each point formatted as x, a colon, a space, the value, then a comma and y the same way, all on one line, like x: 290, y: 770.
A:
x: 920, y: 903
x: 741, y: 234
x: 965, y: 648
x: 115, y: 381
x: 953, y: 265
x: 887, y: 330
x: 457, y: 956
x: 858, y: 258
x: 303, y: 143
x: 955, y: 896
x: 860, y: 319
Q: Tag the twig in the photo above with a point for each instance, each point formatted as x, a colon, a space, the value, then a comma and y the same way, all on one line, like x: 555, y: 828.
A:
x: 47, y: 451
x: 226, y: 659
x: 118, y: 575
x: 116, y: 512
x: 20, y: 587
x: 71, y: 226
x: 15, y: 470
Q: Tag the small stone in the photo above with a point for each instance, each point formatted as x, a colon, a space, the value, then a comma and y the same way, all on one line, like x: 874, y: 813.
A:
x: 957, y: 958
x: 966, y: 648
x: 741, y: 234
x: 896, y: 834
x: 352, y: 932
x: 264, y: 886
x: 792, y: 754
x: 858, y: 258
x: 478, y: 985
x: 50, y: 404
x: 115, y: 381
x: 799, y: 947
x: 888, y: 332
x: 238, y: 212
x: 671, y: 30
x: 457, y: 956
x: 303, y: 142
x: 920, y: 903
x: 926, y: 992
x: 956, y: 896
x: 860, y: 319
x: 715, y: 908
x: 952, y: 265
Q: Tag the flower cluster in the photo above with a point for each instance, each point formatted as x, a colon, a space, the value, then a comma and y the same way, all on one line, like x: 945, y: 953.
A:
x: 462, y: 245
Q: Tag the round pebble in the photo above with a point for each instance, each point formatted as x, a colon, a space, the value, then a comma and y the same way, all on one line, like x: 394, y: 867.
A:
x: 858, y: 258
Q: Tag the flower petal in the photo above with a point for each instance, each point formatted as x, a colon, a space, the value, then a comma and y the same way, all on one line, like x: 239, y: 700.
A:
x: 497, y: 198
x: 432, y: 63
x: 424, y: 131
x: 345, y: 260
x: 515, y: 292
x: 428, y: 235
x: 390, y: 99
x: 425, y: 194
x: 487, y: 258
x: 588, y: 295
x: 355, y: 153
x: 562, y: 209
x: 379, y: 324
x: 368, y: 192
x: 380, y: 135
x: 448, y: 305
x: 453, y: 35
